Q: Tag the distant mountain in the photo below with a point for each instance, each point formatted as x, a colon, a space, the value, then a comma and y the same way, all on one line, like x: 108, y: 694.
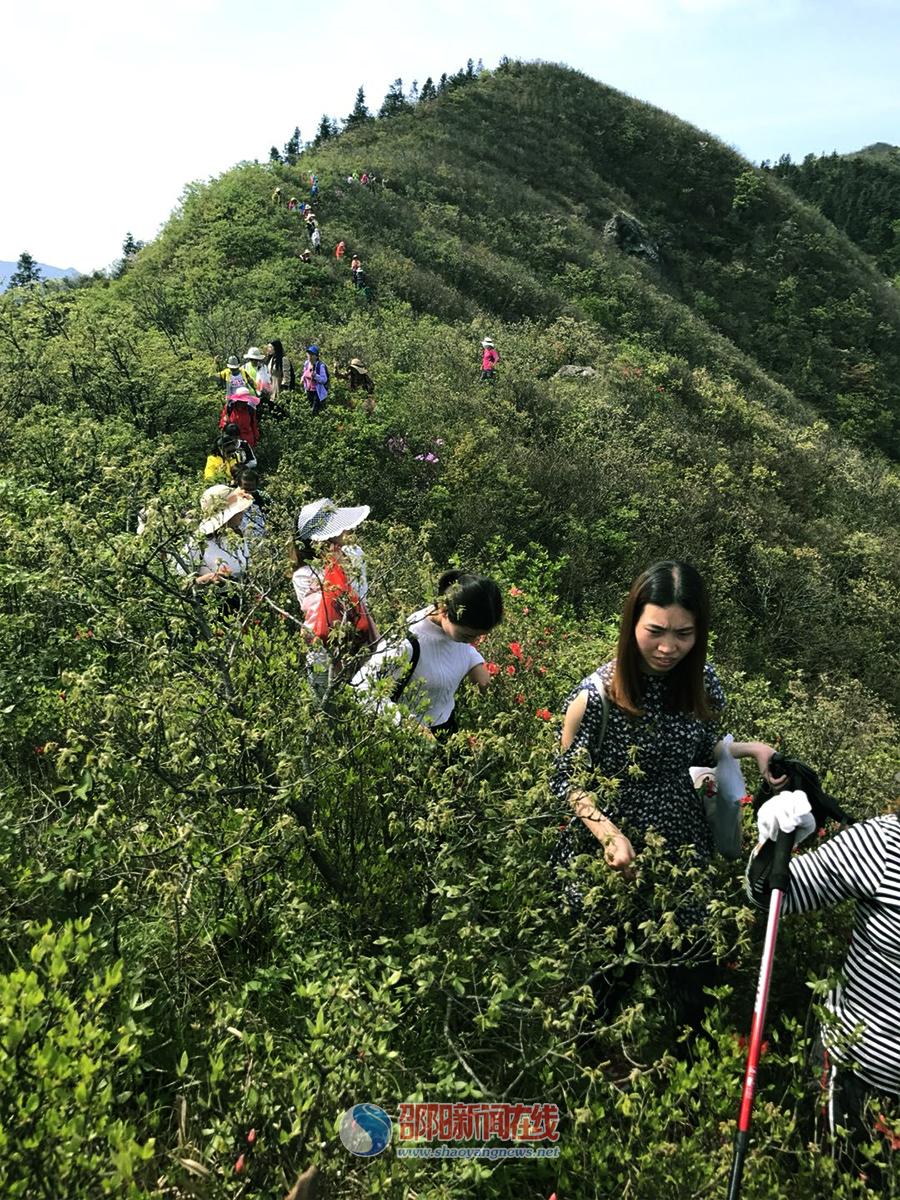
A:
x: 859, y: 192
x: 48, y: 272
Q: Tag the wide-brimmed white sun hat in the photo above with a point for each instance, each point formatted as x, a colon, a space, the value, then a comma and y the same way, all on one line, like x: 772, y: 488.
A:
x: 219, y: 504
x: 254, y: 353
x: 487, y: 342
x: 322, y: 519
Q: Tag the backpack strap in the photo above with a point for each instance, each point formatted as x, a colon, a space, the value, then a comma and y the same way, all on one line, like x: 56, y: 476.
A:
x: 400, y: 686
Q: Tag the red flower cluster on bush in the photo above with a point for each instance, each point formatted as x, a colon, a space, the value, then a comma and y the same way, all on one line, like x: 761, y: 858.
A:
x: 492, y: 668
x: 544, y: 714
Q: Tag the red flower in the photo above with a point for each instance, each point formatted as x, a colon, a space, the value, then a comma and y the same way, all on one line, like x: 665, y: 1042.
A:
x: 545, y: 714
x: 525, y: 610
x: 515, y: 649
x: 543, y: 670
x: 520, y: 698
x: 514, y: 591
x: 492, y: 668
x: 251, y: 1136
x: 510, y: 670
x: 747, y: 799
x: 240, y: 1164
x: 39, y: 749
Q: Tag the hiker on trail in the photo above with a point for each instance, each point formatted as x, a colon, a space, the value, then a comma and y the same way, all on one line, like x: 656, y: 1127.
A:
x: 241, y: 410
x: 331, y: 587
x: 315, y: 239
x: 234, y: 376
x: 364, y: 178
x: 252, y: 360
x: 315, y: 379
x: 355, y: 265
x: 276, y: 196
x: 313, y: 186
x: 656, y: 705
x: 489, y: 360
x: 860, y: 1048
x: 218, y: 553
x: 359, y: 378
x: 340, y: 250
x: 229, y: 454
x: 362, y: 282
x: 247, y: 479
x: 292, y: 204
x: 281, y: 370
x: 437, y: 653
x: 305, y: 256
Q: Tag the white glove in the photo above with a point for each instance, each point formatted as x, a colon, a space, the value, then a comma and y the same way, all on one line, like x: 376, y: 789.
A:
x: 785, y: 813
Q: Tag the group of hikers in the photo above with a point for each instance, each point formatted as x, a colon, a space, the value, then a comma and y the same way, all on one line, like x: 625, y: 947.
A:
x: 657, y: 703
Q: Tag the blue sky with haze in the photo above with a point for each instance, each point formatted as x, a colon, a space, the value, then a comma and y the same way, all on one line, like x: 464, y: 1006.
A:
x: 110, y: 107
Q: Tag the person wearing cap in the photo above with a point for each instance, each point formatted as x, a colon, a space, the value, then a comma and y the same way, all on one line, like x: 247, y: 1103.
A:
x: 331, y: 587
x: 315, y: 239
x: 315, y: 379
x: 355, y: 265
x: 340, y: 249
x: 252, y: 359
x: 358, y: 377
x: 219, y: 553
x: 234, y: 376
x: 489, y: 360
x: 228, y: 455
x: 240, y: 409
x: 276, y: 196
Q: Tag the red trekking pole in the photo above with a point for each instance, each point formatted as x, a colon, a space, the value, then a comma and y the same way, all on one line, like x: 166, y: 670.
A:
x: 780, y: 878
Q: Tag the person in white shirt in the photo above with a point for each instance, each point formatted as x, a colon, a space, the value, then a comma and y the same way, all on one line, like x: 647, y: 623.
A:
x: 438, y: 652
x: 219, y: 552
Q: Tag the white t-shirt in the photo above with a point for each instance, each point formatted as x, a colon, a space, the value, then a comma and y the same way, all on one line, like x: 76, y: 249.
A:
x: 233, y: 554
x: 443, y: 665
x: 307, y: 582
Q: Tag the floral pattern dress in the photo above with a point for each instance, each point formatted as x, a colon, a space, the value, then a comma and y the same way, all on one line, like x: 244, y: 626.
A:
x: 663, y: 745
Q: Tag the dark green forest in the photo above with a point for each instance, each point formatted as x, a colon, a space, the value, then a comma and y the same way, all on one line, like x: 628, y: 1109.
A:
x: 859, y: 193
x: 225, y: 907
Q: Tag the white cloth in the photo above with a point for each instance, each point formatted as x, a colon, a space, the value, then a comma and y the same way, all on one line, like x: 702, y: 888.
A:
x: 219, y: 551
x: 784, y: 813
x: 443, y: 665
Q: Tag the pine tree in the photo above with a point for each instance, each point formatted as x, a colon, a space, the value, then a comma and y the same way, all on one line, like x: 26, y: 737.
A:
x: 443, y: 83
x: 359, y: 113
x: 470, y: 69
x: 27, y: 272
x: 292, y: 147
x: 414, y: 92
x: 274, y: 156
x: 429, y: 91
x: 328, y: 129
x: 479, y: 66
x: 394, y: 102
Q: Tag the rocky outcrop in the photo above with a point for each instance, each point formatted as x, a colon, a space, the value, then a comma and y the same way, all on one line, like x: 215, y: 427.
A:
x: 629, y: 235
x: 573, y: 371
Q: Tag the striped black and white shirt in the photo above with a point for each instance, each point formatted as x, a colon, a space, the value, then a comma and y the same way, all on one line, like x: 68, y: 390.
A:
x: 861, y: 863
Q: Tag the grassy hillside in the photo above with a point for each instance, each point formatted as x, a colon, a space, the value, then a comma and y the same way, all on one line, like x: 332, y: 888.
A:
x: 226, y: 908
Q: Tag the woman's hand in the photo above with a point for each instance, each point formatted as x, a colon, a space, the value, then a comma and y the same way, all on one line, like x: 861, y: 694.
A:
x: 763, y: 755
x: 619, y: 854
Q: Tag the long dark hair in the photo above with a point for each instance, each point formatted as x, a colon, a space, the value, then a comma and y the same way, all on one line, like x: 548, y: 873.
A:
x: 664, y: 583
x: 277, y: 357
x: 470, y: 600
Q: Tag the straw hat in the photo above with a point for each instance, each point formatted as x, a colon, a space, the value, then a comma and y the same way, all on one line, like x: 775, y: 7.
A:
x: 487, y: 342
x: 254, y: 353
x: 359, y: 364
x: 322, y: 520
x: 219, y: 504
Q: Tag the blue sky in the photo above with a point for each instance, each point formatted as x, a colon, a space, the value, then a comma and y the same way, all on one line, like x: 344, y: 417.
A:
x: 110, y: 108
